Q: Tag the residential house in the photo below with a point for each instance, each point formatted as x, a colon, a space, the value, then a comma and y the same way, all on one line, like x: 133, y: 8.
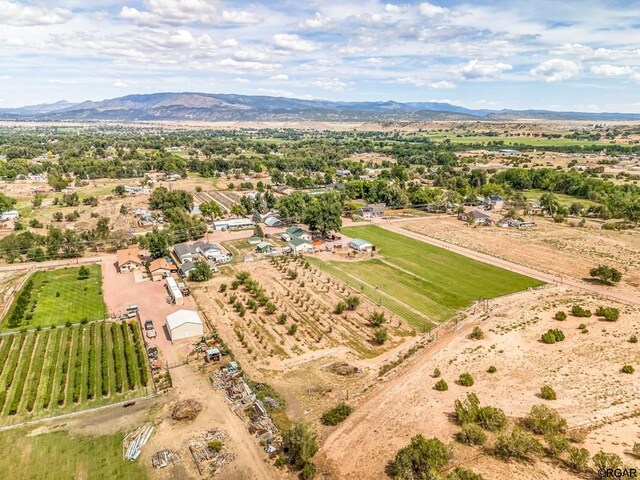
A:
x: 206, y: 249
x: 129, y: 259
x: 300, y: 245
x: 295, y: 231
x: 264, y: 247
x: 475, y: 217
x: 186, y: 268
x: 160, y: 268
x: 373, y: 210
x: 186, y: 253
x: 233, y: 224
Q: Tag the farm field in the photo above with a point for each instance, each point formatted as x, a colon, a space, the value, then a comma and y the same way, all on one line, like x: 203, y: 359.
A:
x: 565, y: 200
x: 59, y: 370
x: 60, y: 455
x: 422, y: 283
x: 549, y: 247
x: 55, y: 297
x: 510, y: 140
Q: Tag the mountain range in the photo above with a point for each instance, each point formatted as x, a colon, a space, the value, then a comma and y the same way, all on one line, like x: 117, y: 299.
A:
x: 228, y: 107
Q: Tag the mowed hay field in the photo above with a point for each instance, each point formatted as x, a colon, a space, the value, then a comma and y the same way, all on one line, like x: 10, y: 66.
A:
x: 67, y: 369
x: 422, y: 283
x: 55, y: 297
x: 60, y: 455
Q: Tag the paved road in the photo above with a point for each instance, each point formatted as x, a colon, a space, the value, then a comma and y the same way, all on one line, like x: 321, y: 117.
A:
x: 621, y: 295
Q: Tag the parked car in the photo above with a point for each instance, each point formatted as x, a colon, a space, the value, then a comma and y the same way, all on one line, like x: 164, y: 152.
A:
x: 148, y: 325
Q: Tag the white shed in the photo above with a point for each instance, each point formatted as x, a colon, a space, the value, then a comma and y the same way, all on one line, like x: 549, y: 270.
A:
x: 184, y: 324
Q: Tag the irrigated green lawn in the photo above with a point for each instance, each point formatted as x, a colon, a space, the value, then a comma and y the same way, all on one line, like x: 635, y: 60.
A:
x: 60, y: 297
x: 422, y: 283
x: 62, y: 456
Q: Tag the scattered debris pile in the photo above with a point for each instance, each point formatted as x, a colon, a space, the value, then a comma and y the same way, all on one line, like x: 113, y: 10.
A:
x: 134, y: 441
x: 163, y: 458
x: 246, y: 405
x: 203, y: 453
x: 345, y: 370
x: 186, y: 410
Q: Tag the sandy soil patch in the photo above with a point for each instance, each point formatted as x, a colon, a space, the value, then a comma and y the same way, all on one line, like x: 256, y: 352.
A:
x: 584, y: 370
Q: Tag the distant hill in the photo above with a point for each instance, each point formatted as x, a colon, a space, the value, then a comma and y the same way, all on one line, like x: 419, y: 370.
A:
x: 225, y: 107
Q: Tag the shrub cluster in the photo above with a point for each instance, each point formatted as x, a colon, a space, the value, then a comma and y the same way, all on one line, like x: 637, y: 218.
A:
x: 476, y: 334
x: 545, y: 421
x: 470, y: 411
x: 93, y: 358
x: 610, y: 314
x: 548, y: 393
x: 560, y: 316
x: 578, y: 311
x: 441, y: 385
x: 465, y: 379
x: 471, y: 434
x: 337, y: 414
x: 552, y: 336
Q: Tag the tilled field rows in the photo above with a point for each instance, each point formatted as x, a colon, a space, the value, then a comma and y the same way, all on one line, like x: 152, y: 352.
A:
x: 52, y: 371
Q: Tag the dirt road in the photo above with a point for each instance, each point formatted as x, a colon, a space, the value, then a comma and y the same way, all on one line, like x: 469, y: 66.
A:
x: 620, y: 295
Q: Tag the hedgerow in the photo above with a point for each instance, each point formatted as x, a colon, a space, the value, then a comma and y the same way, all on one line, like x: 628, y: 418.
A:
x: 104, y: 359
x: 4, y: 350
x: 20, y: 307
x: 117, y: 357
x: 129, y: 355
x: 53, y: 368
x: 22, y: 376
x: 64, y: 366
x: 91, y: 379
x: 142, y: 360
x: 77, y: 372
x: 38, y: 362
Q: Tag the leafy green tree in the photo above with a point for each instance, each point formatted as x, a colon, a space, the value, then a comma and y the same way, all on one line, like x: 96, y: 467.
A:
x: 157, y: 243
x: 323, y: 213
x: 381, y: 335
x: 6, y: 202
x: 606, y: 274
x: 377, y: 319
x: 37, y: 200
x: 299, y: 444
x: 422, y: 459
x: 352, y: 302
x: 257, y: 231
x: 441, y: 385
x: 84, y: 273
x: 211, y: 210
x: 201, y: 272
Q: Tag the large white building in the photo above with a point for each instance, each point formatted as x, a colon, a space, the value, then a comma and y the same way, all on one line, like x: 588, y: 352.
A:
x: 184, y: 324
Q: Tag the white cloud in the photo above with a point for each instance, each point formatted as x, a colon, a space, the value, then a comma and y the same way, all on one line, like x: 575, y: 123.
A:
x: 478, y: 70
x: 238, y: 16
x: 241, y: 80
x: 240, y: 67
x: 57, y: 81
x: 4, y: 77
x: 611, y: 70
x: 173, y: 12
x: 393, y: 8
x: 289, y: 41
x: 120, y: 84
x: 373, y: 61
x: 333, y: 84
x: 18, y: 14
x: 443, y: 85
x: 280, y: 78
x: 430, y: 10
x: 421, y: 82
x: 556, y: 70
x: 636, y: 77
x: 250, y: 55
x: 229, y: 42
x: 317, y: 21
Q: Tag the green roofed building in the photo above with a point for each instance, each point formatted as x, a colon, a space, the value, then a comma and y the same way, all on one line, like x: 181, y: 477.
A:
x: 360, y: 245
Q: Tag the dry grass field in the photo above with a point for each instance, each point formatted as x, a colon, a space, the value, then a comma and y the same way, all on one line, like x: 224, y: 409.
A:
x: 584, y: 370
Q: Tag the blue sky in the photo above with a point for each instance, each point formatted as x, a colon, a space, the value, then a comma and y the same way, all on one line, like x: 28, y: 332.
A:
x: 569, y: 55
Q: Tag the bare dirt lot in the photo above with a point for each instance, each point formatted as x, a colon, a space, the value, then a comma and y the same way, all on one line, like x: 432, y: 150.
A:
x: 584, y: 370
x: 549, y: 247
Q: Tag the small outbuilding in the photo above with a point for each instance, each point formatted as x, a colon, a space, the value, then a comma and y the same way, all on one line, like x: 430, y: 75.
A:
x: 264, y: 247
x: 184, y: 324
x: 360, y: 245
x: 299, y: 245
